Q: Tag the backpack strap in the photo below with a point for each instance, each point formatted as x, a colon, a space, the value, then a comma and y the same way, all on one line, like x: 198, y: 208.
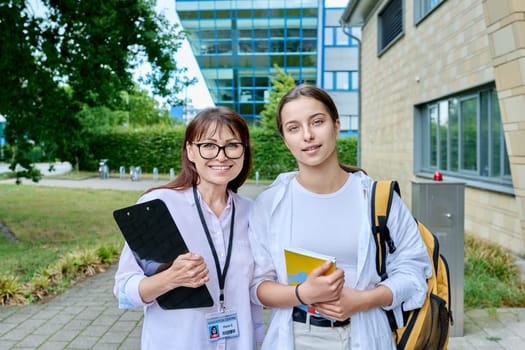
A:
x: 382, y: 193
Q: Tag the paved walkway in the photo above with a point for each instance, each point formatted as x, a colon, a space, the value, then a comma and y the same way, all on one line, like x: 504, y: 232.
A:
x: 87, y: 317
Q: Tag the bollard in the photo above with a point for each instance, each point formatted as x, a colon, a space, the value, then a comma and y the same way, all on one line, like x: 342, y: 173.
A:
x: 172, y: 174
x: 122, y: 172
x: 155, y: 174
x: 139, y: 173
x: 257, y: 178
x: 103, y: 169
x: 132, y: 173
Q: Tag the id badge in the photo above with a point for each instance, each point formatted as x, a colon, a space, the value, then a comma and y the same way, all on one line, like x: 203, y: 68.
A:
x: 222, y: 325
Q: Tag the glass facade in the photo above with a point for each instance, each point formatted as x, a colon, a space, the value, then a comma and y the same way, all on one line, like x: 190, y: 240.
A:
x: 238, y: 42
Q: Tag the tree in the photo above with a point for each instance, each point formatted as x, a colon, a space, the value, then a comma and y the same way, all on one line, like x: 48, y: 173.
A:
x: 81, y: 55
x: 282, y: 83
x: 143, y: 110
x: 136, y: 109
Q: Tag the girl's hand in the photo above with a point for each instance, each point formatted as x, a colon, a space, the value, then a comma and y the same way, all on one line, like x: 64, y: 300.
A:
x: 319, y: 287
x: 340, y: 309
x: 352, y: 301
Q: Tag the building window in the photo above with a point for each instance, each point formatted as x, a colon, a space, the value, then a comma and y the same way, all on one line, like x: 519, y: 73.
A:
x: 342, y: 39
x: 423, y: 7
x: 329, y: 36
x: 336, y: 37
x: 349, y: 122
x: 341, y: 80
x: 462, y: 136
x: 390, y: 24
x: 328, y: 80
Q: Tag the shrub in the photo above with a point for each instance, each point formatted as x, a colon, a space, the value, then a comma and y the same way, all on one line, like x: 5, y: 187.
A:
x: 160, y: 147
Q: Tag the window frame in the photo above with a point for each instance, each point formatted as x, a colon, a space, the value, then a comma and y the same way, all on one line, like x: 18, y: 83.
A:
x: 432, y: 153
x: 383, y: 47
x: 332, y: 80
x: 420, y: 13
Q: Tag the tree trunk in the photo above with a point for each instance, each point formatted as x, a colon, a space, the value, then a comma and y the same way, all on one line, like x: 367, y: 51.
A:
x: 77, y: 165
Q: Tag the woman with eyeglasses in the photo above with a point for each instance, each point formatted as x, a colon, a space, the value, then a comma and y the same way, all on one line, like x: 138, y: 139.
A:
x: 213, y: 220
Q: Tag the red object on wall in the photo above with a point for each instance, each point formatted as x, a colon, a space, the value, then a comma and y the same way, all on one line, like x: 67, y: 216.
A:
x: 438, y: 176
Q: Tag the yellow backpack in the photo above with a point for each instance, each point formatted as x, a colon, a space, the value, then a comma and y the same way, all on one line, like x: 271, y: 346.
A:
x: 429, y: 326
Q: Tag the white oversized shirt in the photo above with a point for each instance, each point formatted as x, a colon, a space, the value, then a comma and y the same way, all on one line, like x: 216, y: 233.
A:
x: 187, y: 328
x: 408, y: 267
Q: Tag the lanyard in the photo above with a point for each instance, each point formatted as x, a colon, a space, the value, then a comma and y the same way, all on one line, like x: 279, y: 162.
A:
x: 220, y: 274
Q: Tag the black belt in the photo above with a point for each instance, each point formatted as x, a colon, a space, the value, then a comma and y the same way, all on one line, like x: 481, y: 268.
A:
x: 299, y: 315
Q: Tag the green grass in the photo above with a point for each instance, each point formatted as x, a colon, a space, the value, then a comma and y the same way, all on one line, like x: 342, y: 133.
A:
x: 51, y: 223
x: 64, y: 234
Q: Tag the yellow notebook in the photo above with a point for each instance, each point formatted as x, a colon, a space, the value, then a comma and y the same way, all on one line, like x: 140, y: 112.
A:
x: 300, y: 262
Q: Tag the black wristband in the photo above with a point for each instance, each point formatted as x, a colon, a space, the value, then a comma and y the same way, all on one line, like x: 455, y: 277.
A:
x: 297, y: 294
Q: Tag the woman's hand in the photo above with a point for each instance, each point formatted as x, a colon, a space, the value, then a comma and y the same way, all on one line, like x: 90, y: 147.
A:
x: 319, y: 287
x: 187, y: 270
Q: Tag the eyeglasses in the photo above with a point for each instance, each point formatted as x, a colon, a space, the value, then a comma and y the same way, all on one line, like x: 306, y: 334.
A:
x: 208, y: 150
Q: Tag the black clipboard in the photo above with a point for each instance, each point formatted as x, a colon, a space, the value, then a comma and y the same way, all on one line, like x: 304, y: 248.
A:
x: 150, y: 232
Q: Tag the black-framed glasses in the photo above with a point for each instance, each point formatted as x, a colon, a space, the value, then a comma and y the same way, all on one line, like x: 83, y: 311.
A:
x: 209, y: 150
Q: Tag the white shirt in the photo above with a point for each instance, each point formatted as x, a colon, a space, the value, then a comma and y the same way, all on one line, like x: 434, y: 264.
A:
x: 408, y: 266
x: 187, y: 328
x: 318, y: 215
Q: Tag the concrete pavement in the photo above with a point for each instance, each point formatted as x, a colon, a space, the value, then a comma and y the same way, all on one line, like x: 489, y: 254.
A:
x: 87, y: 317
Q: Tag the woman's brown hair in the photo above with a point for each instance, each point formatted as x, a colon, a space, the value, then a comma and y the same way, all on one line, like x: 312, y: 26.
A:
x: 312, y: 91
x: 216, y: 118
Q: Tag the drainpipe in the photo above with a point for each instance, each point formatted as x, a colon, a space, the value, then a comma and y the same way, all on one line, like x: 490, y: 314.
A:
x: 358, y: 93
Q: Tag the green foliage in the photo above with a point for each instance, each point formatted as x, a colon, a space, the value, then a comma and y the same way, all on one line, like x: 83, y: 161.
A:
x: 158, y: 147
x: 282, y: 83
x: 136, y: 109
x: 270, y: 155
x: 11, y: 291
x: 100, y: 117
x: 107, y: 254
x: 57, y: 276
x: 491, y: 277
x: 141, y: 110
x: 347, y: 150
x: 78, y: 56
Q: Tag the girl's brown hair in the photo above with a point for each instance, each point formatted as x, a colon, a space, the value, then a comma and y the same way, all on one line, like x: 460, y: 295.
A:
x: 312, y: 91
x: 216, y: 118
